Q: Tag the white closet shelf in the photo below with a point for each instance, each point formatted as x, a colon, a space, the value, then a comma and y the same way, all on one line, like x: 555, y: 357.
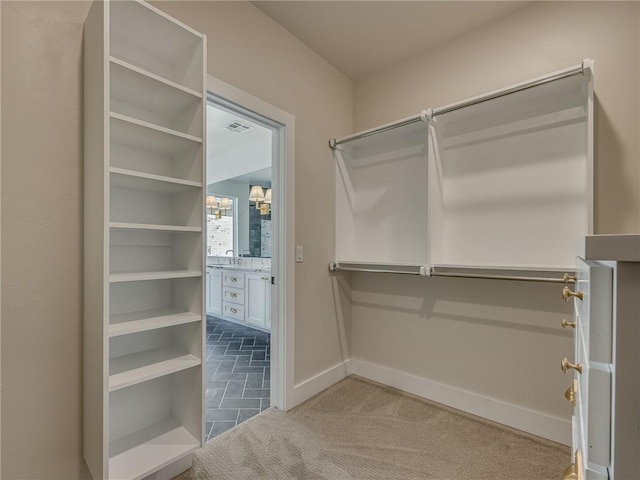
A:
x: 147, y: 365
x: 129, y: 72
x: 142, y: 321
x: 154, y: 227
x: 149, y: 137
x: 165, y: 275
x: 150, y: 449
x: 148, y: 182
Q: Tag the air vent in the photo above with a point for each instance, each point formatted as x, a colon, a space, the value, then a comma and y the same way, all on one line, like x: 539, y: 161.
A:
x: 237, y: 127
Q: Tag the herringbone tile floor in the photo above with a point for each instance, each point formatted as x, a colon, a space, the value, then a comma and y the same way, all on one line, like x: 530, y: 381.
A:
x: 238, y: 374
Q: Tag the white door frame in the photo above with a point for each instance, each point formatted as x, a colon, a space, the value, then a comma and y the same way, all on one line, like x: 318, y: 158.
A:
x: 282, y: 265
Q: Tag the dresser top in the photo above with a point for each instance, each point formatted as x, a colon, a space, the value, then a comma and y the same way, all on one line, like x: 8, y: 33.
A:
x: 615, y: 247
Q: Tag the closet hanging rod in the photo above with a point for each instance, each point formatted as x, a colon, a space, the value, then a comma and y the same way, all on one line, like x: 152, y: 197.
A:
x: 420, y: 117
x: 568, y: 72
x: 421, y: 270
x: 515, y: 278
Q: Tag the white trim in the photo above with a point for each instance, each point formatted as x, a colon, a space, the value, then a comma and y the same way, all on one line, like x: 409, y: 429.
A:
x: 282, y: 265
x: 530, y: 421
x: 323, y: 380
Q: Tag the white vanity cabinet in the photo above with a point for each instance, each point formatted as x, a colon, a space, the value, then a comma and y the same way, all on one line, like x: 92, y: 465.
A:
x: 258, y: 299
x: 605, y: 389
x: 240, y: 296
x: 214, y: 291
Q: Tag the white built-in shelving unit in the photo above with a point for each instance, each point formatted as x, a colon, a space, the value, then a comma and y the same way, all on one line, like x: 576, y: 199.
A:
x: 144, y: 250
x: 495, y: 186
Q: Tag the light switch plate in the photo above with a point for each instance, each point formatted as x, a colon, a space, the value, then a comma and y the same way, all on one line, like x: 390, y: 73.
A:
x: 299, y: 254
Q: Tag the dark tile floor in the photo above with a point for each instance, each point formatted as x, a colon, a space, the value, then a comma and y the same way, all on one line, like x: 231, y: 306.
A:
x: 238, y: 374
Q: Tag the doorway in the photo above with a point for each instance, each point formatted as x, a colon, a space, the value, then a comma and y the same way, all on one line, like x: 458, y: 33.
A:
x: 244, y: 318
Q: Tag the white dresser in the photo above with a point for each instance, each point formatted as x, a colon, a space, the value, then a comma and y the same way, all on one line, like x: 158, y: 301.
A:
x: 605, y: 388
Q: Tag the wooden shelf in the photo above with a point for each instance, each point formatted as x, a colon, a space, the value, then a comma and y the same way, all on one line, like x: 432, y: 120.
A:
x: 152, y: 227
x: 137, y: 276
x: 142, y: 321
x: 147, y: 182
x: 145, y: 451
x: 149, y: 137
x: 147, y: 365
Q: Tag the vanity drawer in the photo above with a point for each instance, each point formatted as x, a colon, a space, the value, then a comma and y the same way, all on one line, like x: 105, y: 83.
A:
x: 233, y: 295
x: 233, y: 279
x: 233, y: 310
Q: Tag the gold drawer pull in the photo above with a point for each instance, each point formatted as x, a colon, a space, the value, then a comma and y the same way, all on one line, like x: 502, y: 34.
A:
x: 233, y: 310
x: 567, y: 293
x: 571, y: 392
x: 568, y: 278
x: 566, y: 323
x: 233, y: 295
x: 234, y: 279
x: 565, y: 365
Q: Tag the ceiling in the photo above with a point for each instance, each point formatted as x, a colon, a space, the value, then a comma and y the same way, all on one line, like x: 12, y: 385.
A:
x: 360, y: 37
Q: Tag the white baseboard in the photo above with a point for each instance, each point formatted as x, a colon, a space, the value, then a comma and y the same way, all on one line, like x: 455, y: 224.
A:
x: 320, y: 382
x: 530, y: 421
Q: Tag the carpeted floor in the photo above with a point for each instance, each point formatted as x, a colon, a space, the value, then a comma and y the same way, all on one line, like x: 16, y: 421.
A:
x: 361, y: 430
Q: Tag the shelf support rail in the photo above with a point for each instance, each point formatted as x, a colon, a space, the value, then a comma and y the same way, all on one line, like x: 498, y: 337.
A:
x: 425, y: 271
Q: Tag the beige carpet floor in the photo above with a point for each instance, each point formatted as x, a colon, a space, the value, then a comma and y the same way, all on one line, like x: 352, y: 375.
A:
x: 360, y: 430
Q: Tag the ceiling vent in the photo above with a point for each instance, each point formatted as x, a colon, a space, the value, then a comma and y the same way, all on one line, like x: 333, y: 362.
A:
x: 237, y: 127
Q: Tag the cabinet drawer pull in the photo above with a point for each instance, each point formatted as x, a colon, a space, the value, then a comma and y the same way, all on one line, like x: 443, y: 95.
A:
x: 570, y: 393
x: 566, y: 323
x: 233, y: 295
x: 565, y: 365
x: 567, y: 294
x: 233, y: 279
x: 233, y: 310
x: 568, y: 278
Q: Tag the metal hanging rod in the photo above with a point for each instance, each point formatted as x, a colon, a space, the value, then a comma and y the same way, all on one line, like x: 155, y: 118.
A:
x: 499, y: 277
x: 568, y: 72
x: 420, y: 117
x: 424, y: 271
x: 425, y: 115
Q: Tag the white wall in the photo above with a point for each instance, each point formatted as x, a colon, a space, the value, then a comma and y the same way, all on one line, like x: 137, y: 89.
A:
x: 42, y: 206
x: 496, y: 340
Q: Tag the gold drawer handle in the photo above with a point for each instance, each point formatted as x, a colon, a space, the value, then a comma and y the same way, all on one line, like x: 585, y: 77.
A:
x: 234, y: 279
x: 233, y: 295
x: 565, y: 365
x: 566, y: 323
x: 570, y: 393
x: 567, y: 294
x: 568, y: 278
x: 233, y: 310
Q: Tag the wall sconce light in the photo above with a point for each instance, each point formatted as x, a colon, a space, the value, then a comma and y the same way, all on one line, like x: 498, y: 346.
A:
x: 267, y: 196
x: 212, y: 204
x: 225, y: 204
x: 256, y: 194
x: 264, y: 209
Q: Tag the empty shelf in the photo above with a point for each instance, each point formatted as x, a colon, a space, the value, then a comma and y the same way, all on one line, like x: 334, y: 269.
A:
x: 140, y: 367
x: 149, y: 137
x: 150, y: 449
x: 137, y: 276
x: 154, y: 227
x: 142, y: 321
x: 148, y: 182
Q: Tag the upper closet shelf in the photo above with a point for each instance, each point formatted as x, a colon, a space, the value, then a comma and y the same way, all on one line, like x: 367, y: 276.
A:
x: 157, y: 43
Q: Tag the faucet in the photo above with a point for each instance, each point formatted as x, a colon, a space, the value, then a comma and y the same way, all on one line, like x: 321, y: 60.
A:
x: 233, y: 260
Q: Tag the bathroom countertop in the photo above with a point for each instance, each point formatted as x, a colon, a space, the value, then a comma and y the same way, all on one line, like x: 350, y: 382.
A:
x: 236, y: 268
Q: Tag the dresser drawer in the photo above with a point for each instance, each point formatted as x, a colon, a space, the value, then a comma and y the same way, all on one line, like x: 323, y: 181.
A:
x: 233, y: 310
x: 233, y: 279
x: 233, y: 295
